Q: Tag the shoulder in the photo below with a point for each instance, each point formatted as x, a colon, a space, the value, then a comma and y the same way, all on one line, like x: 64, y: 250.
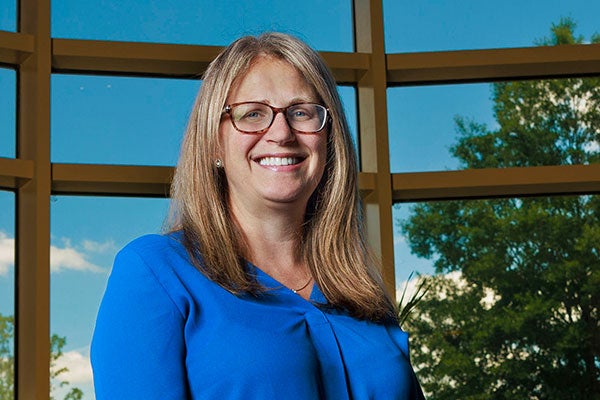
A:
x: 155, y: 251
x: 156, y: 263
x: 154, y: 244
x: 145, y: 306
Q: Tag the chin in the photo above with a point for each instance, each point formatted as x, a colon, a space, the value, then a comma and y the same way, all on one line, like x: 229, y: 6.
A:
x: 287, y: 198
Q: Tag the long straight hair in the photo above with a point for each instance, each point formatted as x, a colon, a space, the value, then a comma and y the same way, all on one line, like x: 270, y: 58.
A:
x: 334, y: 245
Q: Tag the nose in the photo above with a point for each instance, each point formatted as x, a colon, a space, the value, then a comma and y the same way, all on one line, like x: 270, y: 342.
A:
x: 280, y: 130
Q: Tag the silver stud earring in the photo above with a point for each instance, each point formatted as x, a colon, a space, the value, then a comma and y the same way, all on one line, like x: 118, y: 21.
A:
x: 218, y: 163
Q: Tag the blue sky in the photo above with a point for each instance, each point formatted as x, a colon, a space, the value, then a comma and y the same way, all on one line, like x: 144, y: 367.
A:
x: 120, y: 120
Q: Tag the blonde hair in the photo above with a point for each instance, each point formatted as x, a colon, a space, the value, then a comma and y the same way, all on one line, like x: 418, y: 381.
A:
x: 334, y: 245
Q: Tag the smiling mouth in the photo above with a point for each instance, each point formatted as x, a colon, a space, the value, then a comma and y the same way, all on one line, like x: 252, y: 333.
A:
x: 270, y: 161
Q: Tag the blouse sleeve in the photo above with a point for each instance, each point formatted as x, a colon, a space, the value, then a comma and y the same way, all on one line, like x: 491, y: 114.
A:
x: 138, y: 348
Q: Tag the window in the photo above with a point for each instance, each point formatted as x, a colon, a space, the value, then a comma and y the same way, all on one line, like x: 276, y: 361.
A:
x: 523, y: 123
x: 416, y: 26
x: 515, y: 281
x: 325, y: 25
x: 115, y: 120
x: 8, y: 15
x: 348, y: 96
x: 422, y: 125
x: 7, y: 290
x: 8, y: 88
x: 86, y: 234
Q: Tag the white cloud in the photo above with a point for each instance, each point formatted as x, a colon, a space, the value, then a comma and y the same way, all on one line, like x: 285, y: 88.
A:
x: 7, y: 253
x: 98, y: 247
x: 399, y: 239
x: 592, y: 147
x: 79, y: 374
x: 489, y: 299
x: 79, y: 368
x: 411, y: 288
x: 62, y: 258
x: 69, y: 258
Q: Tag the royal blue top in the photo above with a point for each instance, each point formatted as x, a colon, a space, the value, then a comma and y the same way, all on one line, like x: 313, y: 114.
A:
x: 165, y: 331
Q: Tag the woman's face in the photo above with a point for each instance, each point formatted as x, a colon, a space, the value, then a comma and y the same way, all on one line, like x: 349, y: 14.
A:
x: 280, y: 166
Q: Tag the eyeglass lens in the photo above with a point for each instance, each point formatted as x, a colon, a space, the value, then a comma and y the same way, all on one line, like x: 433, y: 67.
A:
x: 258, y: 117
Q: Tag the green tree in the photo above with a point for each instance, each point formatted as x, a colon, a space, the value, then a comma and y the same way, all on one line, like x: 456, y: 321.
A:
x: 6, y: 357
x: 7, y: 362
x: 514, y: 311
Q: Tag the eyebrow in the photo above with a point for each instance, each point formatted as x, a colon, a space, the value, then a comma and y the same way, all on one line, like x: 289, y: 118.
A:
x: 294, y: 100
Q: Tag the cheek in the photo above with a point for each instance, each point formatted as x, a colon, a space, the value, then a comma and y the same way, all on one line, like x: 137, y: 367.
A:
x: 235, y: 146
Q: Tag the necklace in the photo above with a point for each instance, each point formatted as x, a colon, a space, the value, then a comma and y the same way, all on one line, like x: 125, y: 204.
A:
x: 303, y: 286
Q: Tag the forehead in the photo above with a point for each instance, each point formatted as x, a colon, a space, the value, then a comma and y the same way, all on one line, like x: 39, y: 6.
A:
x: 271, y: 80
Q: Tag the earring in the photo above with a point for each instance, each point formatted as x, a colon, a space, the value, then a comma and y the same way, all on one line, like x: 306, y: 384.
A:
x: 218, y: 163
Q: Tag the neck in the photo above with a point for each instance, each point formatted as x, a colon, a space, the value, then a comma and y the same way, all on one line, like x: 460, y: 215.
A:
x: 273, y: 241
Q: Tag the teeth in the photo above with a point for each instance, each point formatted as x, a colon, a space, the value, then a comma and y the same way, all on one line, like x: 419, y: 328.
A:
x: 278, y: 161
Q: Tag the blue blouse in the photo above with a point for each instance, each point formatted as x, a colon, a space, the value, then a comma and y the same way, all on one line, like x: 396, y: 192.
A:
x: 165, y: 331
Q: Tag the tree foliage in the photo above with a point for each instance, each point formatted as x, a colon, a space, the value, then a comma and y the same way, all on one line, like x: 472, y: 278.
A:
x: 7, y: 363
x: 514, y: 312
x: 6, y: 357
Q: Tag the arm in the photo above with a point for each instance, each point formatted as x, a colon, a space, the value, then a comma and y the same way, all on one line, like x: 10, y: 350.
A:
x: 138, y: 349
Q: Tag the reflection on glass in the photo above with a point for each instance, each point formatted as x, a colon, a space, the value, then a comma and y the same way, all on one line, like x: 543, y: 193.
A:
x: 324, y: 25
x: 86, y: 234
x: 416, y: 26
x: 8, y: 15
x: 100, y: 119
x: 525, y: 123
x: 7, y: 293
x: 515, y: 303
x: 8, y: 95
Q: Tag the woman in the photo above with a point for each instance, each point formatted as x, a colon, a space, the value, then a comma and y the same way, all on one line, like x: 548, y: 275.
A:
x: 264, y: 287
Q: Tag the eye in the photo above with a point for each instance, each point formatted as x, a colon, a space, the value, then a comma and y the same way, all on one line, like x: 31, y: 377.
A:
x: 301, y: 112
x: 251, y: 113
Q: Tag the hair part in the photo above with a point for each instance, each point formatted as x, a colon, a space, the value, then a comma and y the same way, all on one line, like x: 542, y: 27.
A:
x: 334, y: 245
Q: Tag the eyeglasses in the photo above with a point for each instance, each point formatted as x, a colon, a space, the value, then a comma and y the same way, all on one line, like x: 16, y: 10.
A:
x: 257, y: 118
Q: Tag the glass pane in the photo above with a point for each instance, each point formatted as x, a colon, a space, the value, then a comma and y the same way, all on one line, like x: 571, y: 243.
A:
x: 422, y: 123
x: 86, y: 234
x: 326, y: 25
x: 348, y: 96
x: 405, y: 262
x: 7, y: 293
x: 514, y: 306
x: 114, y: 120
x: 8, y: 15
x: 8, y: 95
x: 408, y: 267
x: 415, y: 26
x: 505, y: 124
